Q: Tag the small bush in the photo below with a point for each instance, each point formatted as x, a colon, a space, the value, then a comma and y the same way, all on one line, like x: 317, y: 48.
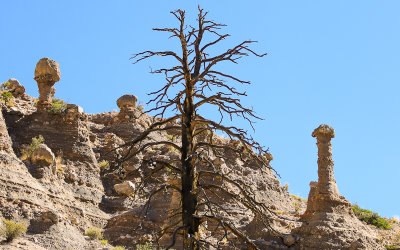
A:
x: 5, y: 85
x: 104, y: 165
x: 140, y: 107
x: 58, y: 106
x: 297, y: 206
x: 171, y: 137
x: 370, y: 217
x: 104, y: 242
x: 7, y: 97
x: 12, y: 229
x: 298, y: 198
x: 174, y: 149
x: 94, y: 233
x: 36, y: 141
x: 147, y: 246
x: 286, y: 187
x: 118, y: 248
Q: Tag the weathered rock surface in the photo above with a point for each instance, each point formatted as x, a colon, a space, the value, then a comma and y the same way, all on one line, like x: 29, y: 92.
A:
x: 15, y: 87
x: 125, y: 188
x: 127, y: 105
x: 329, y: 221
x: 47, y: 73
x: 127, y: 102
x: 60, y: 192
x: 43, y: 156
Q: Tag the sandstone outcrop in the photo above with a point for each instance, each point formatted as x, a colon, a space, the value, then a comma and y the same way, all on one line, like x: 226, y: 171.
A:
x: 43, y: 161
x: 125, y: 188
x: 127, y: 106
x: 15, y: 87
x: 329, y: 221
x: 62, y: 191
x: 43, y: 156
x: 47, y: 73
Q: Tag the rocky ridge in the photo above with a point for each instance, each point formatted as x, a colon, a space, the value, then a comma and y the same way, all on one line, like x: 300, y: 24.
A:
x: 60, y: 189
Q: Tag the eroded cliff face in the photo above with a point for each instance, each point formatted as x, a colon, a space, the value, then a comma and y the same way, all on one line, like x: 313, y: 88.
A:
x: 76, y: 195
x: 62, y: 187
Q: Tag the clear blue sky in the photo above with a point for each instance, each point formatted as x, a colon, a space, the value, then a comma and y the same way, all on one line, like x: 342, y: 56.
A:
x: 334, y: 62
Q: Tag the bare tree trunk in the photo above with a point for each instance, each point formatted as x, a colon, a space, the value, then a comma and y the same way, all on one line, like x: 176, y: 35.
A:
x: 195, y: 71
x: 189, y: 179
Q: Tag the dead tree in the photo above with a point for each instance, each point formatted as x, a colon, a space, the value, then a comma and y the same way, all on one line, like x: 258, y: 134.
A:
x: 196, y: 83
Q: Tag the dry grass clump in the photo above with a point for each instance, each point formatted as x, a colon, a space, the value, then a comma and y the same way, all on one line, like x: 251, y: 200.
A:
x: 94, y: 233
x: 12, y: 229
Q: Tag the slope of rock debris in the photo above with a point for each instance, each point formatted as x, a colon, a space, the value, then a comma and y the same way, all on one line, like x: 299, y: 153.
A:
x: 62, y: 188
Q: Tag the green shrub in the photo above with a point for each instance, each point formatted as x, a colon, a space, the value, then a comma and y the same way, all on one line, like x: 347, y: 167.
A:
x: 297, y: 206
x: 118, y: 248
x: 12, y: 229
x: 370, y: 217
x: 171, y: 138
x: 104, y: 165
x: 27, y: 152
x: 104, y: 242
x: 298, y: 197
x: 147, y: 246
x: 7, y: 97
x: 58, y: 106
x: 5, y: 85
x: 94, y: 233
x: 286, y: 187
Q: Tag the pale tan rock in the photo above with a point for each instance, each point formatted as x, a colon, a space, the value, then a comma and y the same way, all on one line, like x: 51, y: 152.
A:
x: 47, y: 73
x: 127, y: 102
x: 15, y: 87
x: 5, y: 140
x: 329, y: 221
x: 127, y: 105
x: 43, y: 156
x: 125, y: 188
x: 73, y: 113
x: 326, y: 178
x: 289, y: 240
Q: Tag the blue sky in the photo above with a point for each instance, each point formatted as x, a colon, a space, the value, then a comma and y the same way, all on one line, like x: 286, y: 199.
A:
x: 334, y: 62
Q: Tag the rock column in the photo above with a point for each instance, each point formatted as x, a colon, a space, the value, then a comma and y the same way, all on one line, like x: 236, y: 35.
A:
x: 329, y: 221
x: 47, y: 73
x: 127, y: 105
x: 326, y: 178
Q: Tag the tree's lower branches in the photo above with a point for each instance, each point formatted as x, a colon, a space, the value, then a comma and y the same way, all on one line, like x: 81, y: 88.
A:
x: 163, y: 188
x: 174, y: 236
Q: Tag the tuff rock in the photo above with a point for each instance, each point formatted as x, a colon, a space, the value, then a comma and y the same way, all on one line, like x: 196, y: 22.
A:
x: 16, y: 88
x: 47, y: 73
x: 62, y: 198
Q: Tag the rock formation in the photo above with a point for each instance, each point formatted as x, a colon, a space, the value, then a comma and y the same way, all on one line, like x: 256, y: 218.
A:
x: 42, y: 159
x: 47, y: 73
x: 61, y: 190
x: 329, y: 221
x: 125, y: 188
x: 127, y: 106
x: 43, y: 156
x: 15, y: 87
x: 324, y: 195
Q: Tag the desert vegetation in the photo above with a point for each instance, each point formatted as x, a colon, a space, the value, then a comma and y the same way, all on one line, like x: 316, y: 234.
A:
x: 370, y: 217
x: 12, y: 229
x: 58, y: 106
